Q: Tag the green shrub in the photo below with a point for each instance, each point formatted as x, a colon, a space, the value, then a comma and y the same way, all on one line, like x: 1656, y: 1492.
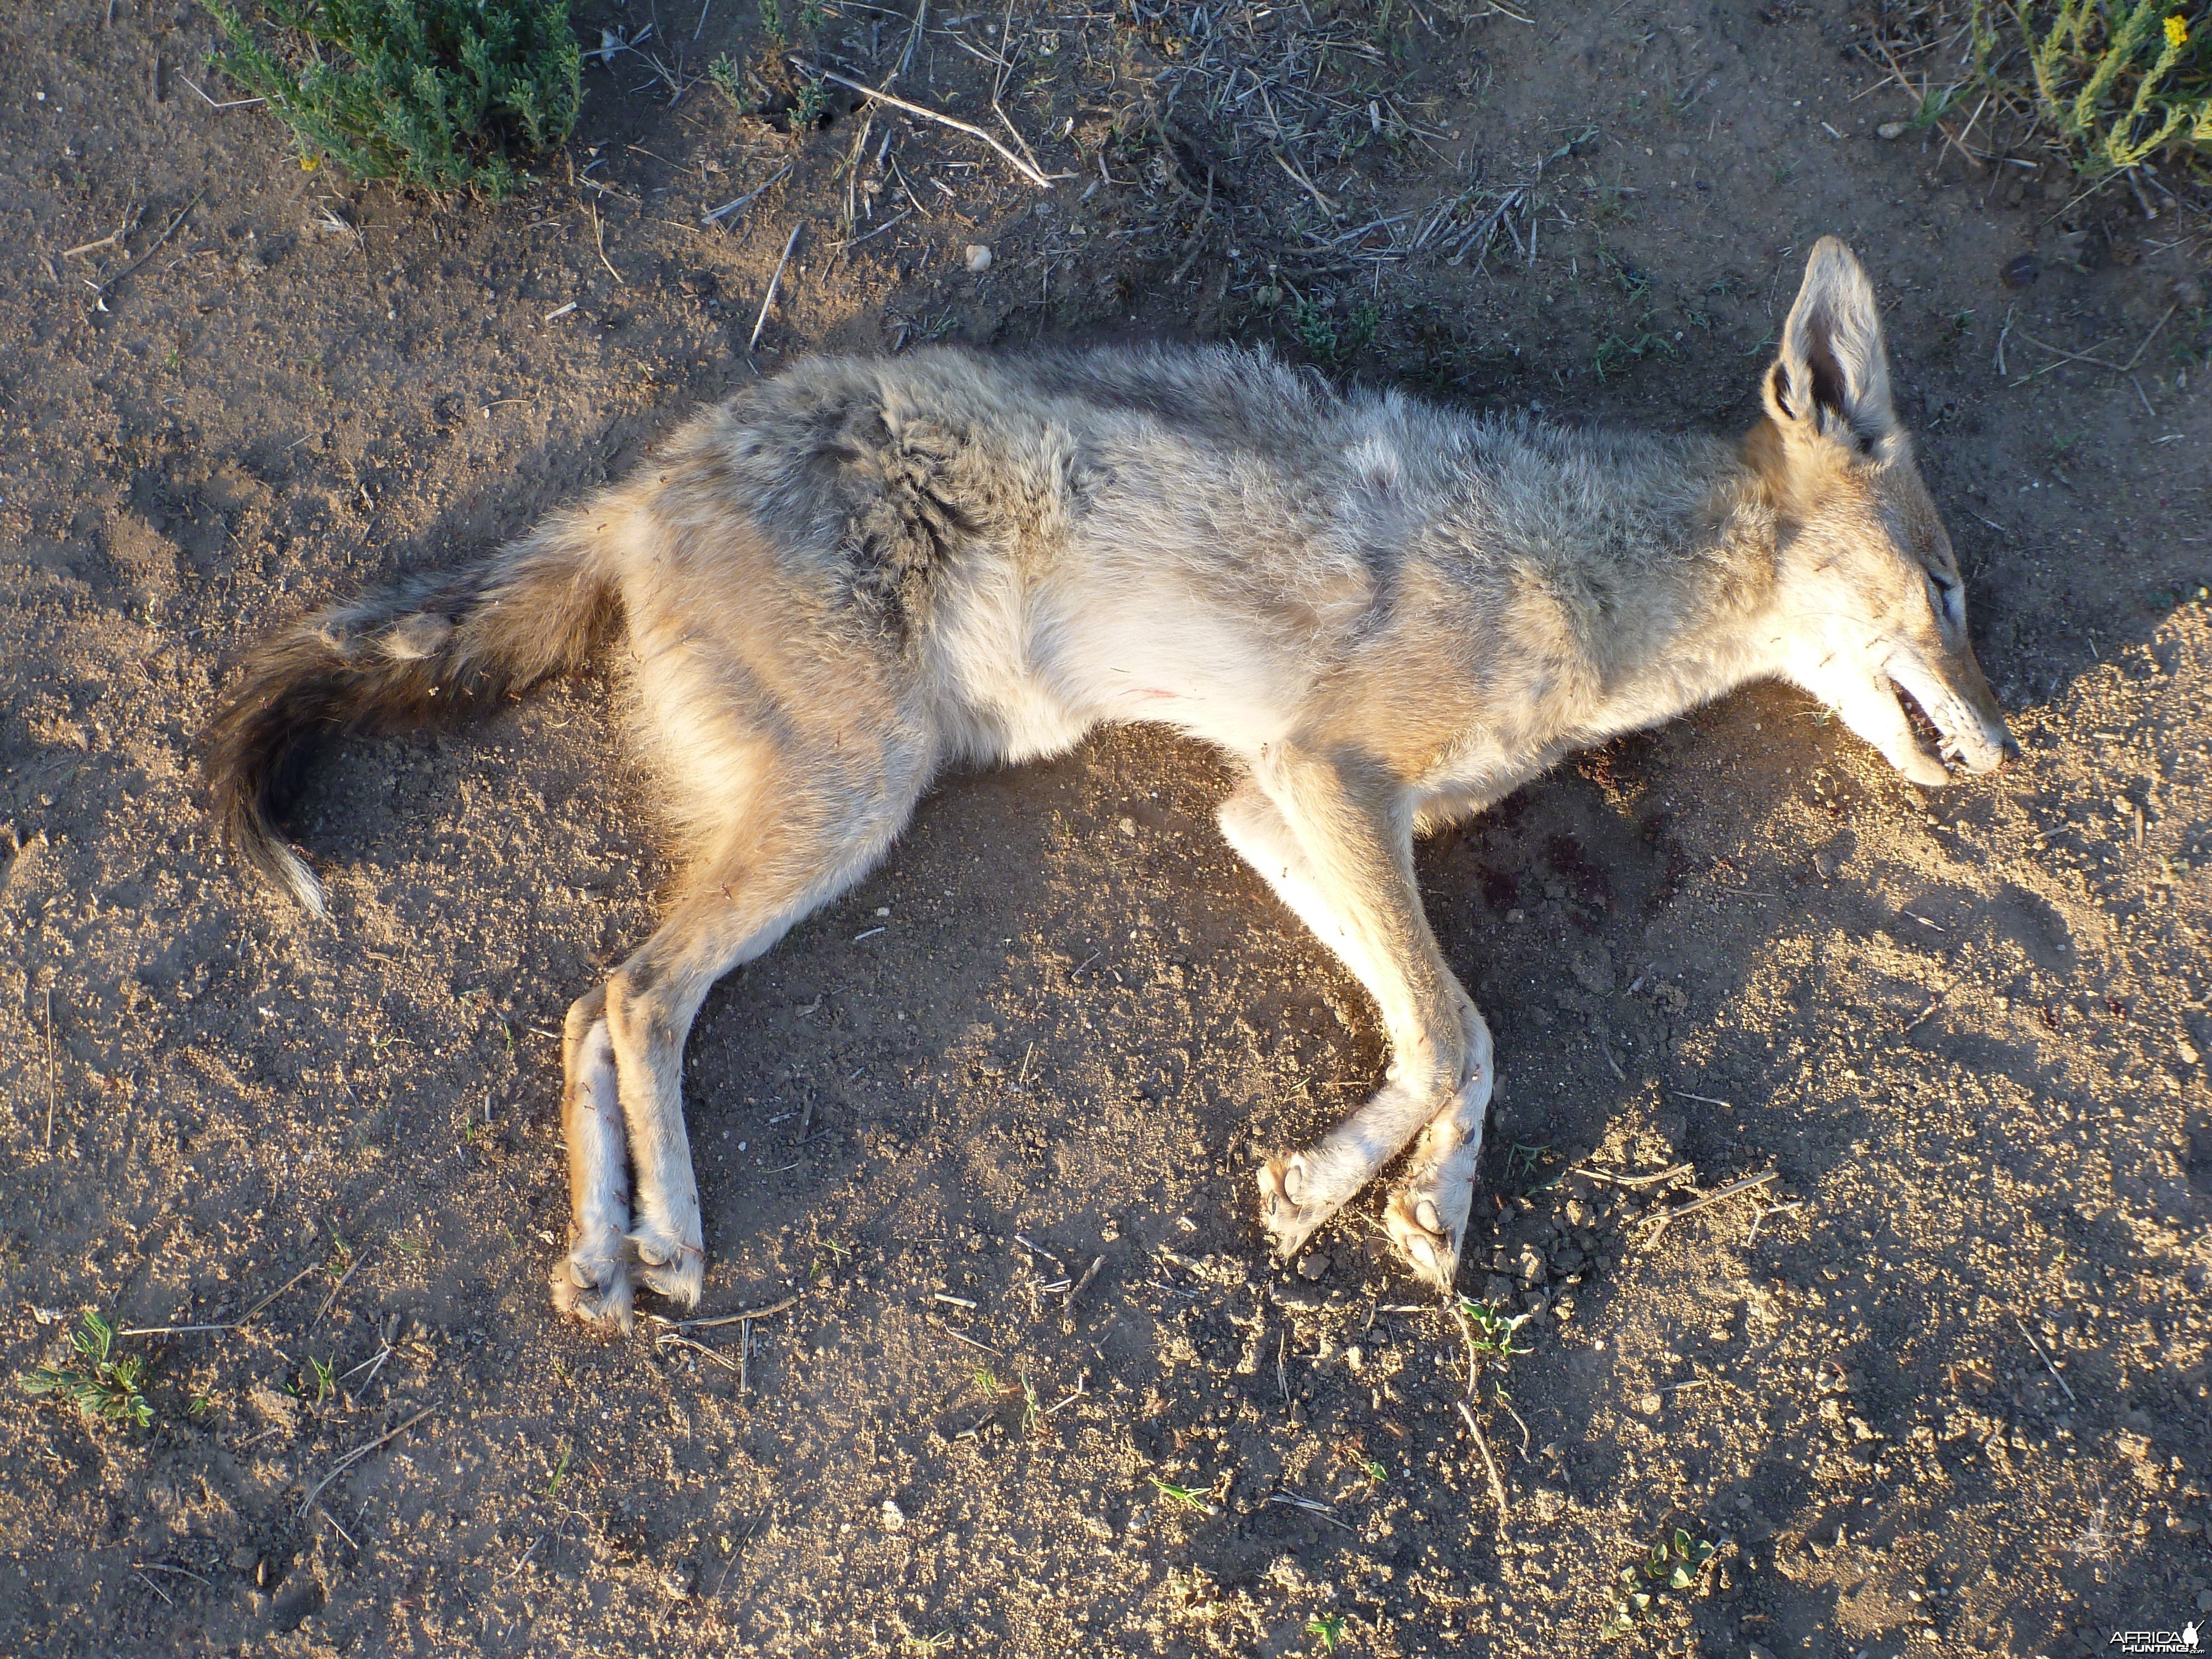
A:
x: 2121, y: 80
x: 436, y: 93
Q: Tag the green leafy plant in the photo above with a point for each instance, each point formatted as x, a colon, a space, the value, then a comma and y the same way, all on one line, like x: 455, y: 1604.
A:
x: 1673, y: 1563
x: 2121, y: 80
x: 103, y: 1388
x: 439, y: 94
x: 811, y: 98
x: 1182, y: 1497
x: 1317, y: 332
x: 724, y: 73
x: 1490, y: 1333
x: 1327, y: 1628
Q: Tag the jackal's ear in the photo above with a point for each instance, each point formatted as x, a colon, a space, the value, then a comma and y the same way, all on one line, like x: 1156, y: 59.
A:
x: 1832, y: 378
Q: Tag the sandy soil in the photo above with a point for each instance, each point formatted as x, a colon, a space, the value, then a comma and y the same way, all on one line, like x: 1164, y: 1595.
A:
x: 1940, y: 1386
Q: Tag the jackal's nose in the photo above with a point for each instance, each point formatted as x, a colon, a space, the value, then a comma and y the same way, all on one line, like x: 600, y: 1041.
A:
x: 2008, y: 749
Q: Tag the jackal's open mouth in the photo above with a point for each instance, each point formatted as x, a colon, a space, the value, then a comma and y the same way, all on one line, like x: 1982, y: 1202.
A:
x: 1944, y: 723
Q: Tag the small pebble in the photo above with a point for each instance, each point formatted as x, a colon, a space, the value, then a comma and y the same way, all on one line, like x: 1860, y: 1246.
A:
x: 1649, y: 1405
x: 1313, y: 1265
x: 894, y: 1516
x: 979, y: 258
x: 2022, y: 271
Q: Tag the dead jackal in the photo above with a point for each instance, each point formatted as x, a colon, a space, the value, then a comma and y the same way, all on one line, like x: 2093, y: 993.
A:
x: 845, y: 580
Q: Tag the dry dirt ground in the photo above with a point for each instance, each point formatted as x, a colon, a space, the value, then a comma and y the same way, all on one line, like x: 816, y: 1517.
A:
x: 1940, y: 1386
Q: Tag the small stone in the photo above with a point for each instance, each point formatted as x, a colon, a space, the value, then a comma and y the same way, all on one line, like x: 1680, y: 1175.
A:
x: 2204, y: 1602
x: 1497, y: 1290
x: 1126, y: 826
x: 1893, y: 129
x: 246, y: 1559
x: 1753, y: 1649
x: 1312, y: 1265
x: 894, y: 1516
x: 2022, y: 271
x: 677, y: 1580
x: 2187, y: 1050
x: 1648, y: 1405
x: 979, y: 258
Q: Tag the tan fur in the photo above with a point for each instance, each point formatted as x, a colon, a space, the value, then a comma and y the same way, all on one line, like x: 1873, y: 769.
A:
x: 862, y: 573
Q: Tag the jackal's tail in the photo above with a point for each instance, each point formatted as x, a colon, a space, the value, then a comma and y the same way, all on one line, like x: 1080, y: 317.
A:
x: 429, y: 648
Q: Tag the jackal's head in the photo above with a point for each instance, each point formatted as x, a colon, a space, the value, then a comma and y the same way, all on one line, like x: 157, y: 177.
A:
x: 1868, y: 594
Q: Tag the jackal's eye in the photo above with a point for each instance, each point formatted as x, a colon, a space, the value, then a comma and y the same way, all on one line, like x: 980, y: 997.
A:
x: 1947, y: 599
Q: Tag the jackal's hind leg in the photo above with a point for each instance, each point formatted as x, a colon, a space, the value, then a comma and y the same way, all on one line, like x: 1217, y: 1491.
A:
x: 592, y: 1281
x: 798, y: 833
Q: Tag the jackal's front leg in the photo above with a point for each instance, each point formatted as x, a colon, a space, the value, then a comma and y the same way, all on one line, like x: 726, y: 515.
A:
x: 1337, y: 847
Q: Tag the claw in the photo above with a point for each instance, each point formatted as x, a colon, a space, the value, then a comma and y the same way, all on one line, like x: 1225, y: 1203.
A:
x: 1289, y: 1222
x: 1424, y: 1234
x: 596, y: 1290
x: 676, y: 1270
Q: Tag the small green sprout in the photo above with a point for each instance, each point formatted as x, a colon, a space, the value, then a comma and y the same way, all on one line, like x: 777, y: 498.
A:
x: 104, y: 1389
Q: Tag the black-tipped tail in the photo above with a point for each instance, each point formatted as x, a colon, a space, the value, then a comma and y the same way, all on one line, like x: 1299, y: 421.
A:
x: 430, y: 649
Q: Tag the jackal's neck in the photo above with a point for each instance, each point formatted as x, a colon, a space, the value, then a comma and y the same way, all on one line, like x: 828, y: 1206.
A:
x: 1693, y: 615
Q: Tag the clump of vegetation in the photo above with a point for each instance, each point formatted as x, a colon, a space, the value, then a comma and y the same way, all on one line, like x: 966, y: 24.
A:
x: 2121, y: 80
x: 1317, y: 332
x: 1673, y: 1563
x: 104, y: 1390
x: 440, y: 93
x: 1490, y: 1332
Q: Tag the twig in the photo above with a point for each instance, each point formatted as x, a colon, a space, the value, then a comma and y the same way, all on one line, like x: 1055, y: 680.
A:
x: 235, y: 103
x: 2071, y: 356
x: 669, y: 1340
x: 774, y: 283
x: 984, y: 1347
x: 1012, y: 159
x: 1089, y: 1273
x: 1032, y: 1245
x: 172, y: 1330
x: 1703, y: 1100
x: 155, y: 1588
x: 1934, y: 1003
x: 1659, y: 1222
x: 2045, y: 1358
x: 728, y: 207
x: 1489, y: 1464
x: 1612, y: 1180
x: 108, y: 241
x: 788, y: 1303
x: 105, y: 285
x: 1321, y: 1511
x: 159, y: 1566
x: 333, y: 1298
x: 2001, y: 333
x: 341, y: 1531
x: 50, y: 1068
x: 357, y: 1454
x: 2124, y: 367
x: 1311, y: 188
x: 279, y: 1292
x: 600, y: 237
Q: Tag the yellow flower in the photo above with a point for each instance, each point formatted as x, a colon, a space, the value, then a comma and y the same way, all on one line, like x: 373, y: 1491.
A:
x: 2176, y: 32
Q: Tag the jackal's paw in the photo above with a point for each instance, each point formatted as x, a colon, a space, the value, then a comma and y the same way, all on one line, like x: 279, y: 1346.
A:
x: 1291, y: 1202
x: 1426, y: 1219
x: 675, y: 1269
x: 595, y: 1286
